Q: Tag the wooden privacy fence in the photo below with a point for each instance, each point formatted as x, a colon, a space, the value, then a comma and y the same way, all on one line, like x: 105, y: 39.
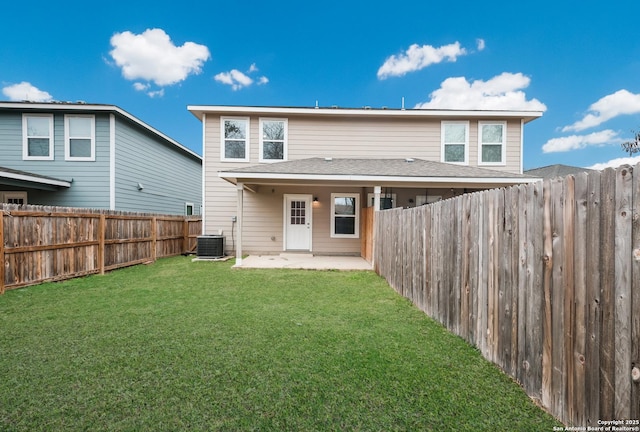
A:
x: 40, y: 244
x: 543, y: 278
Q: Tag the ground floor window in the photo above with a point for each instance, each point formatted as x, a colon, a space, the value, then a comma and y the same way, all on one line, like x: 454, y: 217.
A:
x: 345, y: 214
x: 19, y: 198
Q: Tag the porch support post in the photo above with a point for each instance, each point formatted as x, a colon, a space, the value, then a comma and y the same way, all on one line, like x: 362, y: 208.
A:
x: 377, y: 190
x: 239, y: 218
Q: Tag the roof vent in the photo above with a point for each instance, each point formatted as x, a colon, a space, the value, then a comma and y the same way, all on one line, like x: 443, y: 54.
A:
x: 328, y: 159
x: 409, y: 160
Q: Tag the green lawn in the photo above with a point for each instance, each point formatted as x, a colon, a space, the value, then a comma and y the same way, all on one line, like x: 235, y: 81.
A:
x: 197, y: 346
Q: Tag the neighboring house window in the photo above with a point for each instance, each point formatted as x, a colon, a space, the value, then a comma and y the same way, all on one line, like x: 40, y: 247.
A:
x: 455, y: 142
x: 491, y: 143
x: 235, y: 143
x: 79, y: 137
x: 345, y: 213
x: 273, y: 140
x: 19, y: 198
x: 37, y: 137
x: 188, y: 209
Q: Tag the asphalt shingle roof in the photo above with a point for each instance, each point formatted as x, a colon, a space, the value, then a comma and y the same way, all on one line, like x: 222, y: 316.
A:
x: 374, y: 167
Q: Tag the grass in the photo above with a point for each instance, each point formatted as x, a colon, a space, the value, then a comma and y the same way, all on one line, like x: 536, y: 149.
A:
x: 178, y: 345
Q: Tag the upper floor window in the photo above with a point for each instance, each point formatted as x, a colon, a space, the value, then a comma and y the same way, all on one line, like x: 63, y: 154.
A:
x: 491, y: 143
x: 235, y: 143
x: 37, y: 136
x: 455, y: 142
x: 79, y: 137
x: 273, y: 140
x: 345, y: 213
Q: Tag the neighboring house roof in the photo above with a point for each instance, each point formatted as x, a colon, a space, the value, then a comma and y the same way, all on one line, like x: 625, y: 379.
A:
x: 385, y: 171
x: 82, y: 106
x: 200, y: 110
x: 557, y: 170
x: 14, y: 177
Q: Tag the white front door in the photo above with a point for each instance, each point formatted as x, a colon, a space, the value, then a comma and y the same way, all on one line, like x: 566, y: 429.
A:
x: 297, y: 222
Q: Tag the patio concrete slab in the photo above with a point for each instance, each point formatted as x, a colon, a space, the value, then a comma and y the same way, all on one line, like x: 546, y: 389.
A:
x: 306, y: 261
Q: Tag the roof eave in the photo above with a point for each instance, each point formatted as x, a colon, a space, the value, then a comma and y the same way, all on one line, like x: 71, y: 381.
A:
x: 409, y: 181
x: 199, y: 110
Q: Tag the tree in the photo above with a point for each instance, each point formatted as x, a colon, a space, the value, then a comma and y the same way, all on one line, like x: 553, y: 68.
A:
x: 632, y: 146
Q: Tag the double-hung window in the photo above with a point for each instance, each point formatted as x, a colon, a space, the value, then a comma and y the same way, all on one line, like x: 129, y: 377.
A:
x: 491, y: 143
x: 79, y: 137
x: 235, y: 139
x: 273, y: 140
x: 37, y: 137
x: 455, y: 142
x: 345, y: 213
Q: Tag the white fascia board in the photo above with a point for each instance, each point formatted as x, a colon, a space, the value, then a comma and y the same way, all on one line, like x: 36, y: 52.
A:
x: 376, y: 179
x: 199, y: 110
x: 33, y: 179
x: 98, y: 108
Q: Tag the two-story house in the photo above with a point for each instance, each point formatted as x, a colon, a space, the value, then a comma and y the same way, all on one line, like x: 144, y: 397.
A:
x: 93, y: 156
x: 295, y: 179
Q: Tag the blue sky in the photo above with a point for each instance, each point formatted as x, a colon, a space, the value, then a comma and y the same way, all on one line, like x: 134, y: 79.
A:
x: 577, y: 61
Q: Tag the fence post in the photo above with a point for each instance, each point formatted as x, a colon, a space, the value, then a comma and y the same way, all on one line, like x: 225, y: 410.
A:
x: 185, y: 235
x: 154, y: 238
x: 2, y: 252
x: 101, y: 235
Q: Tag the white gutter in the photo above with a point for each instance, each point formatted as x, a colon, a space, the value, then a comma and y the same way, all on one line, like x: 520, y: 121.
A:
x: 199, y: 110
x: 375, y: 179
x: 35, y: 179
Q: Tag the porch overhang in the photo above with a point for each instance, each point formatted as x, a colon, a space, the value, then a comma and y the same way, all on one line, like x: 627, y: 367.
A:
x: 409, y: 173
x: 23, y: 179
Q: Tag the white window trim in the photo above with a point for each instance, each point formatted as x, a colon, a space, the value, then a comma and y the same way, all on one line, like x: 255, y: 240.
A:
x: 284, y: 144
x: 186, y: 208
x: 466, y: 143
x: 357, y: 215
x: 246, y: 144
x: 25, y: 138
x: 6, y: 196
x: 503, y: 162
x: 68, y: 138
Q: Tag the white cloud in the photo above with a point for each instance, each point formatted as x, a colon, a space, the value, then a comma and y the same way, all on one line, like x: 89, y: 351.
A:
x: 156, y: 93
x: 25, y: 91
x: 576, y: 142
x: 419, y: 57
x: 238, y: 80
x: 480, y: 44
x: 152, y: 56
x: 234, y: 78
x: 502, y: 92
x: 141, y: 86
x: 610, y: 106
x: 614, y: 163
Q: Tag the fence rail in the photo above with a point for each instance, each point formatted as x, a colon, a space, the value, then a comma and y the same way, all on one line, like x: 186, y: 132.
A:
x: 50, y: 243
x: 543, y: 278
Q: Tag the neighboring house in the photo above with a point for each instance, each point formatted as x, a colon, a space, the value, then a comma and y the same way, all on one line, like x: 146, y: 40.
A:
x: 296, y: 179
x: 558, y: 170
x: 93, y: 156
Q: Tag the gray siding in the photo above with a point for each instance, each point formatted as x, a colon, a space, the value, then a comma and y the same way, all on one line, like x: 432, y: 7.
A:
x: 90, y: 187
x: 169, y: 176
